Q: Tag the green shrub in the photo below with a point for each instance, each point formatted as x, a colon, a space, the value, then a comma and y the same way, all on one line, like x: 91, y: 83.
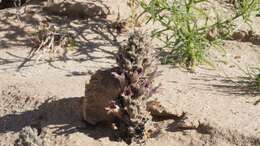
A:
x: 186, y: 29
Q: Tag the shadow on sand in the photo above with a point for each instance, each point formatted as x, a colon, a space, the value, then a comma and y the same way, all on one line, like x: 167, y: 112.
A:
x: 65, y: 114
x: 80, y: 25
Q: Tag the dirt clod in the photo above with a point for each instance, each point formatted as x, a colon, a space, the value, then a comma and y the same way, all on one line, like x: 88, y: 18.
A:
x: 76, y: 9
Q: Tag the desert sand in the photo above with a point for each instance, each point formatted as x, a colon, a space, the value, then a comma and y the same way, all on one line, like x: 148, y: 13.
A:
x: 45, y: 95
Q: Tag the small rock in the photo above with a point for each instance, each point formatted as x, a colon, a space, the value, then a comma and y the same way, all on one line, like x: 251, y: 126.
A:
x: 237, y: 57
x: 240, y: 35
x: 212, y: 34
x: 158, y: 111
x: 256, y: 39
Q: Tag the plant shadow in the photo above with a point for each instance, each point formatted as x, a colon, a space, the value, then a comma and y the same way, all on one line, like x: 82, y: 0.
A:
x: 92, y: 33
x: 243, y: 86
x: 64, y: 114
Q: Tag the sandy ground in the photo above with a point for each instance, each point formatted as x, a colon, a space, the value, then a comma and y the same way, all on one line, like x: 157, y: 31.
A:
x: 46, y: 95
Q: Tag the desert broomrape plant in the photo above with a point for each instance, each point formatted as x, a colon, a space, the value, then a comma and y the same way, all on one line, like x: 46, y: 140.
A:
x: 119, y: 95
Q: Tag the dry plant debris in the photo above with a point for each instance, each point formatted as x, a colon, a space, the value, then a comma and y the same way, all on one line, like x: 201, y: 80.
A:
x: 48, y: 40
x: 28, y: 137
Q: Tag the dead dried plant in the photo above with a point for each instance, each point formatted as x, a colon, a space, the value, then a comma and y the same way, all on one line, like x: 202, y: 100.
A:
x: 48, y: 40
